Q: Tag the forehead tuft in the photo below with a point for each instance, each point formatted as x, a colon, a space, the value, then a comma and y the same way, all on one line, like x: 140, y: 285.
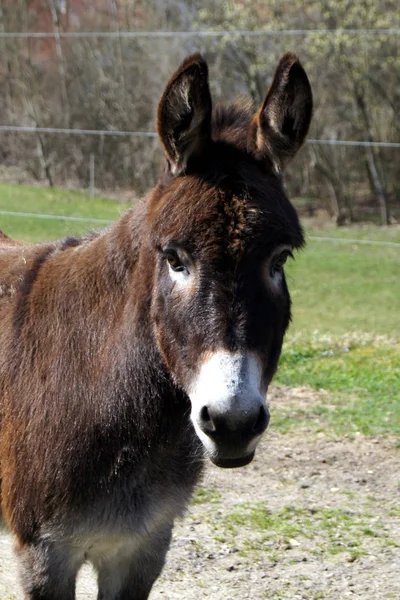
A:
x: 231, y: 123
x: 234, y: 209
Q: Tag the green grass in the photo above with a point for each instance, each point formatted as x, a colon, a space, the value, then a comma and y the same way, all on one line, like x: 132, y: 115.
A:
x: 338, y: 288
x: 360, y: 232
x: 204, y: 495
x: 345, y: 335
x: 362, y: 374
x: 71, y: 203
x: 323, y: 531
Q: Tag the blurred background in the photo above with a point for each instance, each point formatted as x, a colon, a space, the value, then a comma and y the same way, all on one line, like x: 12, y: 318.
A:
x: 101, y: 66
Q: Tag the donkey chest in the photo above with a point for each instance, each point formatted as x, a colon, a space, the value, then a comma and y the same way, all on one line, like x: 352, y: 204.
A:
x: 127, y: 516
x: 114, y: 530
x: 136, y: 499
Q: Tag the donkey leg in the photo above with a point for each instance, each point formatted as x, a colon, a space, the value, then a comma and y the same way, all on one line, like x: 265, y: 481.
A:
x: 48, y: 571
x: 130, y: 574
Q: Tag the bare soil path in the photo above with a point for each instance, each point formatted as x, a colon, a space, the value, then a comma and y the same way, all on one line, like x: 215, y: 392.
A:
x: 313, y: 517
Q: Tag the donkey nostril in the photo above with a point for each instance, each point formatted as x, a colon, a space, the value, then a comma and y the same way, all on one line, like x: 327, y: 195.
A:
x: 205, y: 415
x: 262, y: 421
x: 207, y: 423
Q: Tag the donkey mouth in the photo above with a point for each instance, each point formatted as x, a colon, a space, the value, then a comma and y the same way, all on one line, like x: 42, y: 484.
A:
x: 232, y: 463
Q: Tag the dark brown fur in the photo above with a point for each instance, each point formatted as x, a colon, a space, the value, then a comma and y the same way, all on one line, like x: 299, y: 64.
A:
x: 98, y: 347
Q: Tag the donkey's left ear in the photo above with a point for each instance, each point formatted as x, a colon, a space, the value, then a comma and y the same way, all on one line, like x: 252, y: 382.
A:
x: 280, y: 127
x: 184, y: 113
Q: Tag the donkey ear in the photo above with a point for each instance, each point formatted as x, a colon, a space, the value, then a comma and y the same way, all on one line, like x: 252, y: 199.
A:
x: 184, y: 113
x: 280, y: 126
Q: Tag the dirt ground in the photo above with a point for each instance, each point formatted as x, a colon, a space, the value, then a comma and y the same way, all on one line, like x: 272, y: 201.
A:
x: 331, y: 528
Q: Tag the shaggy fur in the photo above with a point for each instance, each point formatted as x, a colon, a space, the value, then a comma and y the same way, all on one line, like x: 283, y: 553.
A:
x: 99, y: 345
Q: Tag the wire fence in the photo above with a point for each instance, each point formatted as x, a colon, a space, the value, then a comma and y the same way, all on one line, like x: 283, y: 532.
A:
x: 183, y: 34
x: 319, y: 238
x: 108, y: 222
x: 150, y: 134
x: 194, y: 33
x: 11, y: 213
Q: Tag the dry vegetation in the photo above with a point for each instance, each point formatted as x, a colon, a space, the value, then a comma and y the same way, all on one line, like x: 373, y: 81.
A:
x: 114, y: 83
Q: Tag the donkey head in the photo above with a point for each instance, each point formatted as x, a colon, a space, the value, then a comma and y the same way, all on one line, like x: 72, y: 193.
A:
x: 222, y: 228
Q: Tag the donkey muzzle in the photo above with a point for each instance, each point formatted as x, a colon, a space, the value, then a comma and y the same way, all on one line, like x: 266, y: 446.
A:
x: 229, y: 410
x: 234, y: 434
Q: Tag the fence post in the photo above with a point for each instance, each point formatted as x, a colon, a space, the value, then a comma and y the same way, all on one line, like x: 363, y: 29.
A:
x: 91, y: 171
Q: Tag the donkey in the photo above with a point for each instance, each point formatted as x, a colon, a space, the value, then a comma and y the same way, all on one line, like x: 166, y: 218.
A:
x: 130, y: 354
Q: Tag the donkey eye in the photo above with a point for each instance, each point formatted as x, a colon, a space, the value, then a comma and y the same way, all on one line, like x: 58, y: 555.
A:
x: 278, y: 263
x: 175, y: 262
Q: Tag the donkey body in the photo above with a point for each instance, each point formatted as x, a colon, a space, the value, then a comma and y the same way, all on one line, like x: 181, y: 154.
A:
x: 127, y: 355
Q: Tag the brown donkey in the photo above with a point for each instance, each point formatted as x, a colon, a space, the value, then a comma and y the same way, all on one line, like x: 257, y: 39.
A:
x: 128, y: 354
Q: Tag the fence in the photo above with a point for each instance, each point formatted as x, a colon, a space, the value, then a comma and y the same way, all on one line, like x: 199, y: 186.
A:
x: 84, y: 169
x: 16, y: 129
x: 108, y: 222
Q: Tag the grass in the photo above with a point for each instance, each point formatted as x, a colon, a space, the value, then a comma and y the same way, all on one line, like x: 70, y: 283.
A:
x: 345, y: 333
x: 323, y: 531
x: 71, y: 203
x: 362, y: 374
x: 339, y: 288
x: 204, y: 495
x: 364, y: 231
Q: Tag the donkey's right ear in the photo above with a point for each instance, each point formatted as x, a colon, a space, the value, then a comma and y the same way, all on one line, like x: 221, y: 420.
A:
x: 280, y: 126
x: 184, y: 113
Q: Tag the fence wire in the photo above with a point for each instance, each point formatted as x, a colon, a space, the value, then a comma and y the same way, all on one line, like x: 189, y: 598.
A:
x: 199, y: 33
x: 150, y: 134
x: 108, y: 222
